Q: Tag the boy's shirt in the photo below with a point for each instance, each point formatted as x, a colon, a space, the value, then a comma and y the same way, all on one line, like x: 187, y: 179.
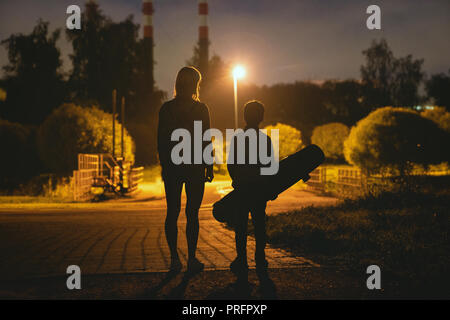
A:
x: 247, y: 174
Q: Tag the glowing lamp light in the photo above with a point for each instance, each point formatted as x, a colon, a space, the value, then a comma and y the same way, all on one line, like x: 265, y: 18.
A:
x: 238, y: 72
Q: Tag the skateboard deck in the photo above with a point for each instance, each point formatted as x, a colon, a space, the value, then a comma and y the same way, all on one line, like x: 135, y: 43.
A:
x: 291, y: 169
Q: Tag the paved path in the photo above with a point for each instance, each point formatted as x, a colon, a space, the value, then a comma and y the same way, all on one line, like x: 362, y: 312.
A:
x: 122, y: 236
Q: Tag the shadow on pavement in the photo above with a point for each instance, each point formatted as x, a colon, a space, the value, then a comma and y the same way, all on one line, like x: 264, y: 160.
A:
x: 178, y: 292
x: 245, y: 291
x: 152, y: 292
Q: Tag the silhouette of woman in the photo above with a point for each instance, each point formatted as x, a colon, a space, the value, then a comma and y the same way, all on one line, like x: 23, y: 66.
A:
x: 181, y: 112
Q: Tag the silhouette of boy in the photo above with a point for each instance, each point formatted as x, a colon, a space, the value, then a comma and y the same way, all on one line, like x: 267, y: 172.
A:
x: 245, y: 177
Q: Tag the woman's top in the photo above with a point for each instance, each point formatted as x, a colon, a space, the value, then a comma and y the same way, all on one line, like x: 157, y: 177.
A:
x: 180, y: 114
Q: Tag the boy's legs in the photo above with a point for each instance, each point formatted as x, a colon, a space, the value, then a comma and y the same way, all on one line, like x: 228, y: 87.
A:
x: 240, y: 228
x: 258, y: 212
x: 259, y: 222
x: 239, y: 266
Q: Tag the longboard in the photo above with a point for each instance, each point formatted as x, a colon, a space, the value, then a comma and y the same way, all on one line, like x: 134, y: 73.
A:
x: 292, y: 169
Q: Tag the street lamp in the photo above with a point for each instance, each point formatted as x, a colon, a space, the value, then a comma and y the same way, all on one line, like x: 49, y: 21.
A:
x: 238, y: 73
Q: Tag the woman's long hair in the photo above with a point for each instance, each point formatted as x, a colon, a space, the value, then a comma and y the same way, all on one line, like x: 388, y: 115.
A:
x: 188, y: 83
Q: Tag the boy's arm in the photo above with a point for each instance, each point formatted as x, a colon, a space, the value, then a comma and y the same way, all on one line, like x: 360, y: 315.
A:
x: 235, y: 170
x: 272, y: 158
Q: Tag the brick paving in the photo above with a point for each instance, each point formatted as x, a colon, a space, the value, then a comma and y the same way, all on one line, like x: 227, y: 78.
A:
x: 117, y: 237
x: 113, y: 242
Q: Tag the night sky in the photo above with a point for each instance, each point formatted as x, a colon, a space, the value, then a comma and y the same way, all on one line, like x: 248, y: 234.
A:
x: 278, y: 41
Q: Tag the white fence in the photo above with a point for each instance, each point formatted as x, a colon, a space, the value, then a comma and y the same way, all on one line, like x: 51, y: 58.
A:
x: 350, y: 177
x: 82, y: 183
x: 83, y: 178
x: 135, y: 178
x: 102, y: 170
x: 318, y: 179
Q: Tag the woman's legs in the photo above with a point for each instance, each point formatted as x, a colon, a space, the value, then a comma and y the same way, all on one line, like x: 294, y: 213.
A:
x: 194, y: 193
x: 173, y: 188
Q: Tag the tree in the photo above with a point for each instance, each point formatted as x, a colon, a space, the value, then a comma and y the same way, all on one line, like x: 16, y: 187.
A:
x: 19, y: 161
x: 438, y: 89
x: 389, y: 81
x: 344, y: 100
x: 408, y: 76
x: 108, y: 55
x: 103, y: 57
x: 33, y: 80
x: 391, y: 140
x: 72, y: 129
x: 330, y: 138
x: 377, y: 73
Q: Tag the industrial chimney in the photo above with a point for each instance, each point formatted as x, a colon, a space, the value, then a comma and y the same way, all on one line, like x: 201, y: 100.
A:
x: 203, y: 40
x: 147, y: 10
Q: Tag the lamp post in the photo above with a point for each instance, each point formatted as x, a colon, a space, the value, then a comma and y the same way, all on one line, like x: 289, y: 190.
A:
x: 238, y: 73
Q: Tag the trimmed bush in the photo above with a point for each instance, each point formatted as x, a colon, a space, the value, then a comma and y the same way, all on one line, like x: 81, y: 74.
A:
x: 330, y: 138
x: 439, y: 115
x: 72, y: 129
x: 290, y: 139
x: 393, y: 139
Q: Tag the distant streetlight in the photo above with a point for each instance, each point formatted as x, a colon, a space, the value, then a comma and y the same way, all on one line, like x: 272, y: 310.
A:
x: 238, y: 73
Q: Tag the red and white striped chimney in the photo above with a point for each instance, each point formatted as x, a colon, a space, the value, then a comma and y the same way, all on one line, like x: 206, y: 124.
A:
x: 147, y: 10
x: 203, y: 40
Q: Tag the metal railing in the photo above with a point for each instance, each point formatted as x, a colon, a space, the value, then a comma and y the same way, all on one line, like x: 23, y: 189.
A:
x: 102, y: 170
x: 351, y: 182
x: 88, y: 161
x: 82, y: 183
x: 318, y: 179
x: 135, y: 178
x: 350, y: 177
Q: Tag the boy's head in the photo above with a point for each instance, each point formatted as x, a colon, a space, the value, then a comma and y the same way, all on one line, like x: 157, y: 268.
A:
x: 253, y: 113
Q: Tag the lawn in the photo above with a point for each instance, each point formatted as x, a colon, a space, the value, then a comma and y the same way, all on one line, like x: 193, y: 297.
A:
x: 406, y: 234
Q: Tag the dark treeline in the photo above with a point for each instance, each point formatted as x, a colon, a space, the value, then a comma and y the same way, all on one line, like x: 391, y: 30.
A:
x: 109, y: 55
x: 385, y: 81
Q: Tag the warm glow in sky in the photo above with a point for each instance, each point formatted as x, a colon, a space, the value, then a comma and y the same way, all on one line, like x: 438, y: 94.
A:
x: 239, y: 72
x: 280, y: 41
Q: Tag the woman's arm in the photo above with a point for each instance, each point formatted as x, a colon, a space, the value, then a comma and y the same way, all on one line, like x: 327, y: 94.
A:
x: 163, y: 137
x: 206, y: 124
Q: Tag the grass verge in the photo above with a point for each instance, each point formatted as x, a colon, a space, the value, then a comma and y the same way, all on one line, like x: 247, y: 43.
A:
x: 406, y: 234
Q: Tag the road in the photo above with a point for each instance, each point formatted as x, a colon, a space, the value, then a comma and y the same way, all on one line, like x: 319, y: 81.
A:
x: 124, y: 236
